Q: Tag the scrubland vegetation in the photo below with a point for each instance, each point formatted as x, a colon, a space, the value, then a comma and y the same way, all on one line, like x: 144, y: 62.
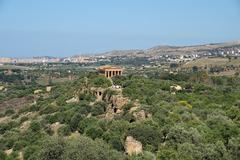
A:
x: 200, y: 121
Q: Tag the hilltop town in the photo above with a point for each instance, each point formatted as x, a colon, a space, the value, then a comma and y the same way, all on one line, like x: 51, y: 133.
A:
x: 172, y: 54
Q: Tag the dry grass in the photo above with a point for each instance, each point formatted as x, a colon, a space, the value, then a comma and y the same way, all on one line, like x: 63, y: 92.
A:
x: 212, y: 62
x: 207, y: 62
x: 5, y: 119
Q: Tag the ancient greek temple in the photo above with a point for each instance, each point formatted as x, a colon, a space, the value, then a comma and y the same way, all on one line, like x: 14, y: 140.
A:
x: 110, y: 71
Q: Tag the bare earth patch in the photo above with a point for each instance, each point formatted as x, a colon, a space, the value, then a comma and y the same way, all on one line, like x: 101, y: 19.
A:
x: 16, y: 103
x: 5, y: 119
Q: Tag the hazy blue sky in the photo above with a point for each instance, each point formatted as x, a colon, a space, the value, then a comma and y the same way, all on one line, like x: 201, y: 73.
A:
x: 69, y: 27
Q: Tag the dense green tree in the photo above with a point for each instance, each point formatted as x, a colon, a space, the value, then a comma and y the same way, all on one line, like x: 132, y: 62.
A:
x: 146, y: 134
x: 100, y: 81
x: 75, y: 121
x: 234, y: 147
x: 94, y: 132
x: 2, y: 155
x: 99, y: 108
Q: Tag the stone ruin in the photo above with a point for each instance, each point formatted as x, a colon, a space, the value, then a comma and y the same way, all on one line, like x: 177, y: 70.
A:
x: 98, y: 92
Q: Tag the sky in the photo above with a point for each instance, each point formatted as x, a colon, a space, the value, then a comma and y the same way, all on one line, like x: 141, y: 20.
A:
x: 70, y: 27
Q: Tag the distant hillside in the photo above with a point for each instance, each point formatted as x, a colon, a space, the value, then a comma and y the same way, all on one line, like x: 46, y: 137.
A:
x: 174, y: 50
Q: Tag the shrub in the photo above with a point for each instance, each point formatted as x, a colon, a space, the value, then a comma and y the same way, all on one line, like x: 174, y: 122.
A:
x: 86, y: 123
x: 94, y: 132
x: 75, y: 121
x: 51, y: 149
x: 2, y: 155
x: 9, y: 112
x: 80, y: 148
x: 23, y: 119
x: 64, y: 130
x: 20, y: 144
x: 100, y: 81
x: 185, y: 104
x: 147, y: 135
x: 116, y: 143
x: 99, y: 108
x: 29, y: 152
x: 49, y: 109
x: 35, y: 126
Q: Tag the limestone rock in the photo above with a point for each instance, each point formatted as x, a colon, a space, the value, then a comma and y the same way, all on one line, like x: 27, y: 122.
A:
x: 175, y: 88
x: 20, y: 155
x: 8, y: 152
x: 2, y: 88
x: 132, y: 146
x: 73, y: 100
x: 119, y: 101
x: 133, y: 109
x: 37, y: 91
x: 25, y: 125
x: 55, y: 127
x: 48, y: 88
x: 89, y: 115
x: 109, y: 115
x: 141, y: 115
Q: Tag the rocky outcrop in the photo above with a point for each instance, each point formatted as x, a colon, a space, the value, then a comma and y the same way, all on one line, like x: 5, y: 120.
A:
x: 48, y: 88
x: 2, y: 88
x: 38, y: 91
x: 24, y: 126
x: 141, y: 115
x: 109, y: 115
x: 20, y: 155
x: 136, y: 106
x: 72, y: 100
x: 132, y: 146
x: 119, y: 101
x: 175, y: 88
x: 55, y: 126
x: 116, y: 103
x: 8, y: 152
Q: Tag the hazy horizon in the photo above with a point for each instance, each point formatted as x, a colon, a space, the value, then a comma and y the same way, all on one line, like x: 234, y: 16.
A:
x: 67, y: 28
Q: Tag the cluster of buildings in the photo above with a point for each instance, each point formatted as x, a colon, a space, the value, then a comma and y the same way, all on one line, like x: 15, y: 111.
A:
x: 44, y: 59
x: 176, y: 57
